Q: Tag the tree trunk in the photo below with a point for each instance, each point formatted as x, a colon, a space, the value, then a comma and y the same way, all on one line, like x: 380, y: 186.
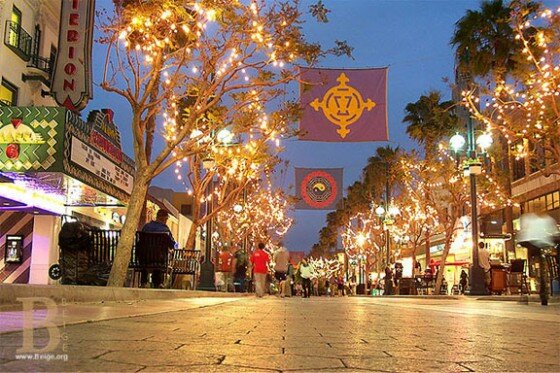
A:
x: 128, y: 232
x: 427, y: 249
x: 441, y: 272
x: 191, y: 238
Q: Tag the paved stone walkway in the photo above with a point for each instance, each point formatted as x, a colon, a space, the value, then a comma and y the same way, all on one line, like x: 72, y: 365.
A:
x: 270, y: 334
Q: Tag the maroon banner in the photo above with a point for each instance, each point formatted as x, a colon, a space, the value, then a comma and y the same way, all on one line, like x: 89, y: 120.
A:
x: 341, y: 105
x: 318, y: 189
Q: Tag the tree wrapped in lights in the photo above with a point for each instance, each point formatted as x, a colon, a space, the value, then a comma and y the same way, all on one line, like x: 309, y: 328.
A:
x: 232, y: 170
x: 324, y: 268
x: 224, y: 61
x: 262, y: 217
x: 444, y: 190
x: 418, y: 218
x: 364, y: 235
x: 525, y: 108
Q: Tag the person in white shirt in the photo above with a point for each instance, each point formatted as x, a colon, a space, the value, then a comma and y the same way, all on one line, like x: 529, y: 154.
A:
x: 306, y: 273
x: 484, y: 263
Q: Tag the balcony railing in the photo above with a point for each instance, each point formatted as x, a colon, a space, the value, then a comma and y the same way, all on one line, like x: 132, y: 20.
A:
x: 41, y: 63
x: 18, y: 40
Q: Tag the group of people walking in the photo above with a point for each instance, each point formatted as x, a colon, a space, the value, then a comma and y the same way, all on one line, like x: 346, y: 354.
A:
x: 234, y: 266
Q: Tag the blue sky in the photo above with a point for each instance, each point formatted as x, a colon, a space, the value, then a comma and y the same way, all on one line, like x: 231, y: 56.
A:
x: 411, y: 37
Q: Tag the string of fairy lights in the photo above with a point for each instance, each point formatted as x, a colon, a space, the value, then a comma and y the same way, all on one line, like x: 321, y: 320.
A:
x: 526, y: 111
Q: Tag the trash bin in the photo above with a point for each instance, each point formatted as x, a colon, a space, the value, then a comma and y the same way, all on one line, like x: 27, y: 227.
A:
x: 75, y: 244
x: 497, y: 279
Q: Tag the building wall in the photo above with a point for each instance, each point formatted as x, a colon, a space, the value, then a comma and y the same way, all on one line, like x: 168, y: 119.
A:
x: 16, y: 223
x: 45, y: 14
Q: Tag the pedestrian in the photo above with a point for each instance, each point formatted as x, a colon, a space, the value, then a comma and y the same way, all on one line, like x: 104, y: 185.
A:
x: 224, y: 273
x: 333, y: 286
x: 484, y: 263
x: 306, y: 273
x: 239, y: 267
x: 159, y: 225
x: 340, y: 286
x: 260, y: 260
x: 463, y: 281
x: 281, y: 261
x: 388, y: 281
x: 289, y: 283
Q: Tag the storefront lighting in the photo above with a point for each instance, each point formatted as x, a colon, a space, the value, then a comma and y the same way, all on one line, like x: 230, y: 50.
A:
x: 33, y: 198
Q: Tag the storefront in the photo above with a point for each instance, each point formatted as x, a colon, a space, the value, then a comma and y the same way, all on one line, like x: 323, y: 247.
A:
x: 55, y: 167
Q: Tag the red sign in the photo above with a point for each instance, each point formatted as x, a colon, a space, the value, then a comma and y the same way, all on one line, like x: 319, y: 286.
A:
x: 71, y: 85
x: 318, y: 189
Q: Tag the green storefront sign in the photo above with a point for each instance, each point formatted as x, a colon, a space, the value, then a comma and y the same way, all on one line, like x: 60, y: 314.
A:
x: 56, y: 140
x: 31, y: 138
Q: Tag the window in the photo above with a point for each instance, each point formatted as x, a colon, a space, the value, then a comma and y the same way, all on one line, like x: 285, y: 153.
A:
x: 36, y: 41
x: 52, y: 59
x: 8, y: 93
x: 16, y: 38
x: 15, y: 26
x: 186, y: 210
x: 547, y: 202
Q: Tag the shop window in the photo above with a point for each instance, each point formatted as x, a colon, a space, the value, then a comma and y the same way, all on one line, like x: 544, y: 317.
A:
x: 556, y: 200
x: 8, y: 93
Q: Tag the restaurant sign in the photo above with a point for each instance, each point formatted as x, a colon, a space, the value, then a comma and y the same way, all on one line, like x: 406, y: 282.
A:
x: 71, y: 83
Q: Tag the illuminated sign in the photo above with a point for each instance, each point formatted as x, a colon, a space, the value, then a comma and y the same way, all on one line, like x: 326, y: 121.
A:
x: 90, y: 159
x: 30, y: 138
x: 71, y: 85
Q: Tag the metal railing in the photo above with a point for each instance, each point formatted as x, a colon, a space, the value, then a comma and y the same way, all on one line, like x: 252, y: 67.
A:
x: 41, y: 63
x: 18, y: 40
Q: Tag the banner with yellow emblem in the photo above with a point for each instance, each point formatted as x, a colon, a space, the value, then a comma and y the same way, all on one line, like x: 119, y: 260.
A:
x: 342, y: 105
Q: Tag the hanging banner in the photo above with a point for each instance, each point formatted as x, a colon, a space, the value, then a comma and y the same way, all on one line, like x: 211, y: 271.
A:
x: 71, y: 83
x: 318, y: 189
x: 341, y: 105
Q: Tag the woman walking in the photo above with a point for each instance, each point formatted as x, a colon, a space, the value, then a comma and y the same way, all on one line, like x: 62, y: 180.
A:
x: 305, y: 272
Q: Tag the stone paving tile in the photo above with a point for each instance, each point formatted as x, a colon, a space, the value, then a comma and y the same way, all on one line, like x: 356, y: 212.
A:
x: 69, y: 366
x: 234, y: 349
x: 283, y: 362
x: 510, y: 366
x: 205, y: 368
x: 402, y: 365
x: 152, y: 358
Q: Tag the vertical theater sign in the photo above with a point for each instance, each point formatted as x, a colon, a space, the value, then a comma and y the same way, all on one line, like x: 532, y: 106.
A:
x: 72, y: 86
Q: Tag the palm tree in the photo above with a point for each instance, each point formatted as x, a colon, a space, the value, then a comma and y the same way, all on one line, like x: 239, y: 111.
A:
x: 430, y: 120
x: 486, y: 42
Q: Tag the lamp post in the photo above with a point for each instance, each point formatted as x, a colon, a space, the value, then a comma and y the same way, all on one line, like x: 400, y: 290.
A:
x: 207, y: 270
x: 473, y: 168
x: 387, y: 215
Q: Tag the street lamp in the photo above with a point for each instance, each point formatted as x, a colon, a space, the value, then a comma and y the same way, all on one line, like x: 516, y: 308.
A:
x: 207, y: 270
x: 472, y: 168
x: 387, y: 216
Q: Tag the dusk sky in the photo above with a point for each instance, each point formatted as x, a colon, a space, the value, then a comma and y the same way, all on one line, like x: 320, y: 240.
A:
x: 410, y: 37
